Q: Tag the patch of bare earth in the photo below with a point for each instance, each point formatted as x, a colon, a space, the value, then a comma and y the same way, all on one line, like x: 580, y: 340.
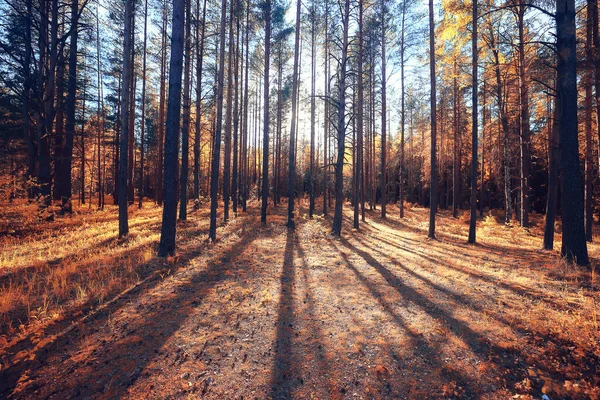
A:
x: 382, y: 312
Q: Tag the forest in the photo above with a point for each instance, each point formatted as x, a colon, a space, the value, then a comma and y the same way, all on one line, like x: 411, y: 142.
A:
x: 299, y: 199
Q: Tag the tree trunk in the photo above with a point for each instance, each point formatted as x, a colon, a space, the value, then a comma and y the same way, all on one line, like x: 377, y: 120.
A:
x: 358, y: 180
x: 199, y: 64
x: 169, y: 217
x: 292, y: 160
x: 525, y: 134
x: 402, y: 106
x: 553, y: 172
x: 185, y: 128
x: 433, y: 178
x: 236, y: 117
x: 341, y: 128
x: 245, y: 114
x: 265, y: 167
x: 161, y: 107
x: 214, y: 174
x: 383, y: 117
x: 474, y: 133
x: 574, y: 246
x: 589, y: 164
x: 143, y: 122
x: 228, y: 120
x: 125, y: 110
x: 67, y: 151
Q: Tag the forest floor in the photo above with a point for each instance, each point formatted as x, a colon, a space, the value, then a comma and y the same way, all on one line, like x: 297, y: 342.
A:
x: 382, y: 312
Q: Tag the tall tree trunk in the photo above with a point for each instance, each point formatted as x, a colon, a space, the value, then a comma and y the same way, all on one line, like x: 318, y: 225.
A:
x: 433, y: 178
x: 236, y: 116
x: 524, y: 118
x: 143, y: 122
x: 245, y: 113
x: 132, y: 92
x: 161, y: 106
x: 67, y: 151
x: 228, y: 120
x: 383, y: 117
x: 553, y: 173
x: 456, y: 145
x: 82, y: 134
x: 402, y: 106
x: 125, y: 110
x: 292, y: 160
x: 199, y: 64
x: 474, y: 131
x: 326, y: 122
x: 101, y: 119
x: 341, y: 126
x: 117, y: 152
x: 265, y: 167
x: 505, y: 129
x: 483, y: 121
x: 185, y: 129
x: 214, y: 174
x: 169, y: 217
x: 27, y: 133
x: 358, y: 180
x: 593, y: 10
x: 574, y: 246
x: 589, y: 164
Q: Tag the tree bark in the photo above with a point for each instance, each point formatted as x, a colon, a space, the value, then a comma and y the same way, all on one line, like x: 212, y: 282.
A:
x: 185, y: 128
x: 125, y: 110
x: 341, y: 126
x: 574, y: 246
x: 265, y: 167
x: 292, y: 160
x: 474, y: 129
x: 169, y: 217
x: 214, y: 174
x: 143, y: 122
x: 433, y: 177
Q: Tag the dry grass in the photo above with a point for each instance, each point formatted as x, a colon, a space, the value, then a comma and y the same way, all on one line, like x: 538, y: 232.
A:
x: 382, y: 312
x: 47, y: 268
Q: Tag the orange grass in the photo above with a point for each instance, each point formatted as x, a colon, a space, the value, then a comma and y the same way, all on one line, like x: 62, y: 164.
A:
x: 380, y: 312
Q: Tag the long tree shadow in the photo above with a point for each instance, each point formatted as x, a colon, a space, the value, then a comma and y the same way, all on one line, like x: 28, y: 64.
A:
x: 284, y: 375
x: 159, y: 324
x: 449, y: 262
x: 510, y: 361
x: 421, y: 348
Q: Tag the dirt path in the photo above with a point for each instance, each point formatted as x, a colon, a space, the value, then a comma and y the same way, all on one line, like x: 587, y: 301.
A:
x: 379, y: 313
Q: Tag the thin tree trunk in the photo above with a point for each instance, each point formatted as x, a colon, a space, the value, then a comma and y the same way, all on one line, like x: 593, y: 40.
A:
x: 214, y: 174
x: 341, y: 128
x: 524, y: 117
x: 236, y: 116
x: 292, y: 155
x: 143, y: 122
x: 589, y: 166
x: 358, y: 180
x: 383, y: 116
x: 265, y: 171
x: 553, y: 173
x: 433, y: 182
x: 199, y: 64
x: 228, y: 120
x: 185, y: 129
x: 474, y: 132
x: 125, y: 110
x: 67, y: 151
